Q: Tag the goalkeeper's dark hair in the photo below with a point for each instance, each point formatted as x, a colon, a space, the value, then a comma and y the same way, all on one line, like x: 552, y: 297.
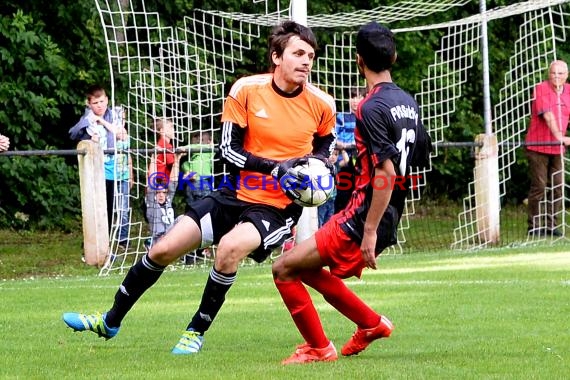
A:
x: 281, y: 34
x: 376, y: 45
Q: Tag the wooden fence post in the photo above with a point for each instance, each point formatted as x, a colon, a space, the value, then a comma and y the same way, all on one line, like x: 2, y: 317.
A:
x: 93, y: 203
x: 487, y: 197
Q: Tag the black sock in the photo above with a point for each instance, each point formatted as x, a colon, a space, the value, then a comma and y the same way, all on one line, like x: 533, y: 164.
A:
x: 213, y: 298
x: 140, y: 277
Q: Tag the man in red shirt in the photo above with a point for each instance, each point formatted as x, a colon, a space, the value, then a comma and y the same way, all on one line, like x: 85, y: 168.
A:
x: 545, y: 139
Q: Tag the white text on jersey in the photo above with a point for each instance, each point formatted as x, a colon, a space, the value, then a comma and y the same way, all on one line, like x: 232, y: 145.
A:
x: 403, y: 111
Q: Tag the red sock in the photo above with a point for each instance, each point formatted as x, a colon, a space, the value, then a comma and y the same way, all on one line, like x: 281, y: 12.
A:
x: 298, y: 300
x: 336, y: 293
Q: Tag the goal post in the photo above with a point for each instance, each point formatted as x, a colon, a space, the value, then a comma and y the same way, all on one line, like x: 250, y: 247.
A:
x: 183, y: 72
x: 309, y: 220
x: 541, y: 28
x: 486, y: 171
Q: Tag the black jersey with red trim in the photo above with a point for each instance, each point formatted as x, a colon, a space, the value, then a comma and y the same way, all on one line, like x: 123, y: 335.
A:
x: 387, y: 122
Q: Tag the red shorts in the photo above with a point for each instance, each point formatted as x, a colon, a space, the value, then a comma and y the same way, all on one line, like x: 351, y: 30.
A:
x: 338, y: 251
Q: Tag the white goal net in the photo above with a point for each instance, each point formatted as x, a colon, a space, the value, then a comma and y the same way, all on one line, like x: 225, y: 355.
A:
x: 183, y: 71
x: 542, y: 27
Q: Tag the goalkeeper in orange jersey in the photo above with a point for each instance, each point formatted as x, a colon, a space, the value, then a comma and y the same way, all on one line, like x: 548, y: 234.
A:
x: 389, y: 138
x: 270, y: 123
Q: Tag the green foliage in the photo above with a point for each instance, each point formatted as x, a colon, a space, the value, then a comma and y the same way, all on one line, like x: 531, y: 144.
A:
x: 52, y: 51
x: 41, y: 85
x: 35, y: 67
x: 39, y: 192
x: 30, y: 61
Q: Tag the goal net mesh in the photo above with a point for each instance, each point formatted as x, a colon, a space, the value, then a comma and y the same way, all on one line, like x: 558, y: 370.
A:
x: 182, y: 72
x: 542, y: 28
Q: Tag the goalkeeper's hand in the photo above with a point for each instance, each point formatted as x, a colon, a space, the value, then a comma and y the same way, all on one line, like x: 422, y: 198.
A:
x: 285, y: 167
x: 290, y: 179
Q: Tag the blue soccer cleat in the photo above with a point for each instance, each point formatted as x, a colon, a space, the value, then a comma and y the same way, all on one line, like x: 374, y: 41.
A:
x: 95, y: 323
x: 190, y: 343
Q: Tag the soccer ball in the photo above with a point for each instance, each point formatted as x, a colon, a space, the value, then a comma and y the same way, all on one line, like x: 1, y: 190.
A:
x: 314, y: 183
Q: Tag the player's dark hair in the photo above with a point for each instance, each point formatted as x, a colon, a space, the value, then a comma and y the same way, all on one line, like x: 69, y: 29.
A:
x: 376, y: 45
x: 281, y: 34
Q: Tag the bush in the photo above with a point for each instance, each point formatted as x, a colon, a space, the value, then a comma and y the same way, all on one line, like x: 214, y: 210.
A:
x: 39, y: 193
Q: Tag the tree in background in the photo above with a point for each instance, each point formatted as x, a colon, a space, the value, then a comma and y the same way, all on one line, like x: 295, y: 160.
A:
x: 49, y: 56
x: 52, y: 51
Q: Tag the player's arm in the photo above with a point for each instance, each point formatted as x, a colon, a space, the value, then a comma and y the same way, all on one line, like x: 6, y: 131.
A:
x: 233, y: 152
x: 550, y: 120
x: 172, y: 185
x: 381, y: 195
x: 152, y: 166
x: 323, y: 146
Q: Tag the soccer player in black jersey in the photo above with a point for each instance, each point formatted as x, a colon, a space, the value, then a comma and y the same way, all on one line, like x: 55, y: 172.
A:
x: 390, y: 138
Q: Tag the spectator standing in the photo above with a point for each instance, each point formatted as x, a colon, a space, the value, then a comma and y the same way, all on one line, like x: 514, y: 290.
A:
x: 105, y: 126
x: 550, y: 111
x: 162, y: 161
x: 159, y: 211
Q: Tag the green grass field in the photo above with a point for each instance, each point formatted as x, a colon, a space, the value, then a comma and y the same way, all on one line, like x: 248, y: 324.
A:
x: 499, y: 314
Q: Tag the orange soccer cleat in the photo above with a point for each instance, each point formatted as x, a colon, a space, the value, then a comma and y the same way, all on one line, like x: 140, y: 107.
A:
x: 363, y: 337
x: 307, y: 354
